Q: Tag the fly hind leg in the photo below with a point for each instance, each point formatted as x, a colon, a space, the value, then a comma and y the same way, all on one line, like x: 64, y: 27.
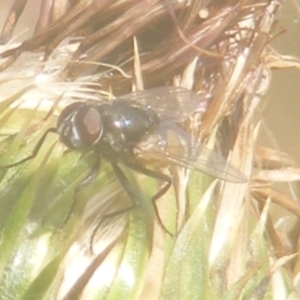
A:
x: 133, y: 197
x: 160, y: 193
x: 127, y: 187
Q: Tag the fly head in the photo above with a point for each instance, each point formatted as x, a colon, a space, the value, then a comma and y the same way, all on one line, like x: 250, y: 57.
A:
x: 79, y: 126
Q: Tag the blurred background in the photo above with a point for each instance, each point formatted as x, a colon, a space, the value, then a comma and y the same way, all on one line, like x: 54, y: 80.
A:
x: 282, y: 113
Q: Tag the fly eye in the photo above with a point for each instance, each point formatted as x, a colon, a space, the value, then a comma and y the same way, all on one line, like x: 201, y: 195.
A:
x: 65, y: 125
x: 79, y: 125
x: 88, y: 125
x: 68, y: 112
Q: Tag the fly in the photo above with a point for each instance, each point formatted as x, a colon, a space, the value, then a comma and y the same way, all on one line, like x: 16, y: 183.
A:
x: 136, y: 130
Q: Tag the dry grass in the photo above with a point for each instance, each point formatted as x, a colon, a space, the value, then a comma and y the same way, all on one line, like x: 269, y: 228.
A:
x: 227, y: 245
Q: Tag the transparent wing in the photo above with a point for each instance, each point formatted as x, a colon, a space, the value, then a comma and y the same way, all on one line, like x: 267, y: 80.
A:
x: 175, y: 147
x: 170, y: 103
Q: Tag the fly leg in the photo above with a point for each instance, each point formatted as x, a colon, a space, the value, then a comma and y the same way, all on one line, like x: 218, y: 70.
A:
x: 160, y: 193
x: 128, y: 189
x: 90, y: 178
x: 34, y: 152
x: 126, y: 186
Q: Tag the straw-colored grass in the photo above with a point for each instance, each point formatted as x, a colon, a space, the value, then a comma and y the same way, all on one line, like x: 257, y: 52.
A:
x: 225, y: 243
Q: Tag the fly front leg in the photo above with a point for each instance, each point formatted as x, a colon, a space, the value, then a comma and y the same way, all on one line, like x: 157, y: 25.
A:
x: 34, y: 152
x: 89, y: 179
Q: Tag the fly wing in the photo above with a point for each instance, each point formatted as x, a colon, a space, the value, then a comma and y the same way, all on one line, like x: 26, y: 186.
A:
x: 175, y: 147
x: 174, y: 104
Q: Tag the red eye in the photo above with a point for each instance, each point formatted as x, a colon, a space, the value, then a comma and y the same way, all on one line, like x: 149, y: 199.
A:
x: 88, y: 124
x: 79, y: 125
